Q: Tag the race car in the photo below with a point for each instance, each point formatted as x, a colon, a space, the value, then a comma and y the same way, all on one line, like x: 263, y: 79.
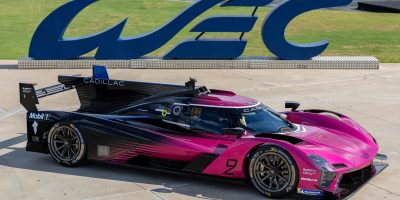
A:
x: 193, y: 129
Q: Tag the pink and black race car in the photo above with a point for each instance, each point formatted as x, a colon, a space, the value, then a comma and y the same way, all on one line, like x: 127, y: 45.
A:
x: 316, y: 153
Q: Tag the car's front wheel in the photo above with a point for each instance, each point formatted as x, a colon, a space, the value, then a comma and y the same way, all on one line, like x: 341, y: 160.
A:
x: 273, y: 171
x: 66, y: 145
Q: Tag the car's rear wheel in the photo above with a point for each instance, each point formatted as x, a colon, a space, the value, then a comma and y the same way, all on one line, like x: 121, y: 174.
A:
x: 273, y: 171
x: 66, y: 145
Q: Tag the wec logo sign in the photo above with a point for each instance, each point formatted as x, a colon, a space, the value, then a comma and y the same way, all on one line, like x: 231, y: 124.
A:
x: 48, y: 41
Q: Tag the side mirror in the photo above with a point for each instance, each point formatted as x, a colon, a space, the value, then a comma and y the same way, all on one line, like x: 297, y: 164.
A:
x: 293, y: 105
x: 238, y: 131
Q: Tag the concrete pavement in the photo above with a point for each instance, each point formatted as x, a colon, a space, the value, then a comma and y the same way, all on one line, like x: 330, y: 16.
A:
x: 372, y: 97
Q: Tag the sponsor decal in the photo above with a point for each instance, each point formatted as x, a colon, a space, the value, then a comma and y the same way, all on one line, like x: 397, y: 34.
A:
x: 27, y: 90
x: 365, y: 155
x: 177, y: 110
x: 39, y: 116
x: 103, y: 151
x: 308, y: 179
x: 103, y: 82
x: 164, y: 112
x: 309, y: 172
x: 196, y: 112
x: 321, y: 136
x: 247, y: 110
x: 35, y: 126
x: 310, y: 192
x: 35, y: 139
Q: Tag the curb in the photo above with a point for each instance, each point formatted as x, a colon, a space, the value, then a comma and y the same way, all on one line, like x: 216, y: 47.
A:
x: 8, y: 64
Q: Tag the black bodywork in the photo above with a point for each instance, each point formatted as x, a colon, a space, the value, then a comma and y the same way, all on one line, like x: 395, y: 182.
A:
x: 106, y: 117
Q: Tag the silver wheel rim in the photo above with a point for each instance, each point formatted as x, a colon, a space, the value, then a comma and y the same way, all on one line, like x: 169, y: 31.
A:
x: 65, y: 143
x: 272, y: 172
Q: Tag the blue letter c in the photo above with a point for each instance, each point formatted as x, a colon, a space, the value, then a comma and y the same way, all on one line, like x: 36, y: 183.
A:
x: 273, y: 30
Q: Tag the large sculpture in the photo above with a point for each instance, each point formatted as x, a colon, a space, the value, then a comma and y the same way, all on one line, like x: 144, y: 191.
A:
x: 48, y: 42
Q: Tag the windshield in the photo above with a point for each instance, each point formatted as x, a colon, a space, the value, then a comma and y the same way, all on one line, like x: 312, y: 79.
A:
x: 262, y: 119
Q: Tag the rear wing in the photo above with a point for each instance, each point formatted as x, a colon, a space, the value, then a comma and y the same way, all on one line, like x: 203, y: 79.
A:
x: 100, y: 94
x: 29, y: 97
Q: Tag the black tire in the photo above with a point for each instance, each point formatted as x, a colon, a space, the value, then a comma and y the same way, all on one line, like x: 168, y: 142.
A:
x: 66, y: 145
x: 273, y: 171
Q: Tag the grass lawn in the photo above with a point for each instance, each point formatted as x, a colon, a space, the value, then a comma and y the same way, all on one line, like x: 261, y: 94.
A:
x: 349, y: 33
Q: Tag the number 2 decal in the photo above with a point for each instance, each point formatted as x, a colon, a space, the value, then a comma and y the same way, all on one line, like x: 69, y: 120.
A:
x: 231, y: 164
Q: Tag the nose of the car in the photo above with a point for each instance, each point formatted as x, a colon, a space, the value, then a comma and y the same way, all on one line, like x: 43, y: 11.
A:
x: 337, y: 147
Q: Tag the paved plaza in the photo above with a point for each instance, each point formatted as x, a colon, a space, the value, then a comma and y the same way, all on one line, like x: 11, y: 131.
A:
x: 371, y: 97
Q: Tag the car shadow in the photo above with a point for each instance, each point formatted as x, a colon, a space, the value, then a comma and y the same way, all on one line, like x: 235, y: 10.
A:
x: 163, y: 181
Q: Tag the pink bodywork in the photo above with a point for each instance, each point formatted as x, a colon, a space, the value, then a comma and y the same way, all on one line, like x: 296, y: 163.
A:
x: 339, y: 140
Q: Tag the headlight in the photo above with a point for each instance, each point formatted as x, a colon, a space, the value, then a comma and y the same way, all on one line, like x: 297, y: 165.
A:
x: 327, y: 176
x: 321, y: 163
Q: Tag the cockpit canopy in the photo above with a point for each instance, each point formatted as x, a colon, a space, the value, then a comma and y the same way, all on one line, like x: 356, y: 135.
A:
x: 213, y: 119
